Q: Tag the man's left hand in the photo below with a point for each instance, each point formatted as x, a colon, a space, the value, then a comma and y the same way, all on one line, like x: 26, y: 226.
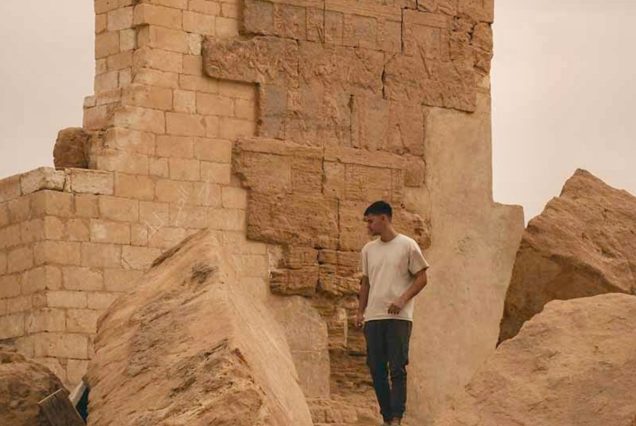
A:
x: 396, y: 307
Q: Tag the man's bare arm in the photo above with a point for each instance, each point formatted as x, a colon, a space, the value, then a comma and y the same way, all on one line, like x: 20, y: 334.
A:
x: 418, y: 285
x: 363, y: 299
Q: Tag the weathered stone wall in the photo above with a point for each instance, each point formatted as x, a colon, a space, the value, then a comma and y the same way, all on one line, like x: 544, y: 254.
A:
x: 275, y: 123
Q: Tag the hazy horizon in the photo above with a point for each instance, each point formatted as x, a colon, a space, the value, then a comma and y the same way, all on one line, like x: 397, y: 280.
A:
x: 562, y: 86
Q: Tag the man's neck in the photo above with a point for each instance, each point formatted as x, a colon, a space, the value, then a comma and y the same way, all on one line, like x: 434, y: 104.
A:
x: 388, y: 234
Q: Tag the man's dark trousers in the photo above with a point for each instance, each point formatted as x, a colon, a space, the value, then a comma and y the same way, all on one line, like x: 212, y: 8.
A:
x: 388, y: 355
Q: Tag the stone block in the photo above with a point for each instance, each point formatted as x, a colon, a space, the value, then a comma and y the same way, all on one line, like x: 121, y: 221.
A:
x: 120, y: 280
x: 10, y: 236
x: 258, y: 17
x: 100, y: 301
x: 150, y: 14
x: 148, y: 97
x: 138, y: 187
x: 19, y: 209
x: 61, y: 345
x: 175, y: 146
x: 120, y: 19
x: 82, y: 278
x: 184, y: 169
x: 86, y: 205
x: 164, y: 238
x: 226, y: 27
x: 10, y: 188
x: 66, y: 299
x: 156, y: 78
x: 42, y: 178
x: 75, y: 370
x: 12, y: 326
x: 138, y: 118
x: 213, y: 104
x: 119, y: 209
x: 234, y: 198
x: 127, y: 40
x: 20, y: 259
x: 169, y: 190
x: 162, y: 60
x: 106, y: 44
x: 81, y: 320
x: 198, y: 83
x: 3, y: 262
x: 216, y: 172
x: 10, y: 286
x: 163, y: 38
x: 86, y: 181
x: 52, y: 203
x: 98, y: 255
x: 207, y: 194
x: 290, y: 21
x: 215, y: 150
x: 185, y: 124
x: 57, y: 252
x: 184, y: 101
x: 45, y: 320
x: 205, y: 6
x: 76, y: 230
x: 226, y: 219
x: 199, y: 23
x: 103, y: 231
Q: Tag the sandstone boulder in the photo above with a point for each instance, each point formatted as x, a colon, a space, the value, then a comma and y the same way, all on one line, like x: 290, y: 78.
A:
x: 572, y: 364
x: 583, y: 244
x: 71, y: 148
x: 191, y: 345
x: 23, y: 383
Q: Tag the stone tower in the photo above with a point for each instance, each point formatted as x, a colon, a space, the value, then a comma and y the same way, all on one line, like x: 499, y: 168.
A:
x: 274, y: 123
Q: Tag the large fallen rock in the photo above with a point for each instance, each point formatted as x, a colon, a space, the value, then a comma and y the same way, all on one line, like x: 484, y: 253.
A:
x: 572, y: 364
x: 583, y: 244
x: 23, y: 383
x: 191, y: 345
x: 71, y: 148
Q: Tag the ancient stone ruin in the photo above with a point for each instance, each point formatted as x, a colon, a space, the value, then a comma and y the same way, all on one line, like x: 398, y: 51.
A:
x: 272, y: 124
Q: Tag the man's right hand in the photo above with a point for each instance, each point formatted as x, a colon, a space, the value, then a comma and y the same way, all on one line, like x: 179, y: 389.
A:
x: 359, y: 319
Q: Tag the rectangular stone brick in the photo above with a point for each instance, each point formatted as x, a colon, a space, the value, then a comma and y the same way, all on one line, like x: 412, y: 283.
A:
x: 129, y: 140
x: 138, y: 118
x: 105, y: 82
x: 100, y: 23
x: 188, y: 216
x: 215, y: 150
x: 106, y: 44
x: 168, y: 190
x: 154, y: 214
x: 199, y: 23
x: 120, y: 279
x: 212, y: 104
x: 122, y: 161
x: 45, y: 320
x: 216, y: 172
x: 10, y: 236
x: 66, y: 299
x: 34, y: 230
x: 10, y: 286
x: 205, y: 6
x: 10, y: 188
x: 103, y: 231
x: 193, y: 63
x: 86, y: 181
x: 184, y: 169
x: 226, y: 219
x: 226, y: 27
x: 52, y: 203
x: 120, y: 209
x: 127, y: 40
x: 3, y: 262
x: 76, y: 230
x: 150, y: 14
x: 82, y: 320
x: 175, y: 146
x: 198, y: 83
x: 138, y: 234
x: 232, y: 128
x: 234, y: 198
x: 134, y: 186
x: 185, y: 124
x: 42, y: 178
x: 19, y: 209
x: 120, y: 19
x: 234, y: 89
x: 100, y: 300
x: 20, y: 259
x: 230, y: 9
x: 138, y: 258
x: 98, y: 255
x: 4, y: 214
x: 82, y: 278
x: 236, y: 242
x: 166, y: 237
x: 57, y: 252
x: 61, y: 345
x: 207, y: 194
x: 158, y: 167
x: 103, y: 6
x: 19, y: 304
x: 162, y: 60
x: 12, y: 326
x: 184, y: 101
x: 148, y: 97
x: 156, y: 78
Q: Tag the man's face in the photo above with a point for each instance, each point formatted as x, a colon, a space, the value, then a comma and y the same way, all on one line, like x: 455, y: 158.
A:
x: 375, y: 223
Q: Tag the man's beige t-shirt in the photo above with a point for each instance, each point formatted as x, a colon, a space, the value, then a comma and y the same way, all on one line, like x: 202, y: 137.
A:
x: 391, y: 267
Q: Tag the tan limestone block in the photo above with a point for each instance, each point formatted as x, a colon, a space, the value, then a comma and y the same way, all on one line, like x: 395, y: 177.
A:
x: 226, y: 27
x: 100, y: 23
x: 122, y: 161
x: 206, y: 7
x: 226, y: 219
x: 148, y: 97
x: 20, y: 304
x: 195, y: 45
x: 168, y: 190
x: 156, y: 78
x: 164, y: 238
x: 150, y: 14
x: 85, y: 181
x: 98, y: 117
x: 106, y: 44
x: 236, y: 242
x: 127, y: 40
x: 42, y: 178
x: 185, y: 124
x: 76, y: 230
x: 20, y: 259
x: 184, y: 101
x: 138, y: 234
x: 175, y: 4
x: 212, y: 104
x: 234, y: 198
x: 10, y: 236
x: 61, y: 345
x: 19, y: 209
x: 220, y: 173
x: 138, y: 118
x: 119, y: 209
x: 212, y: 124
x: 105, y: 82
x: 207, y: 194
x: 3, y: 262
x: 10, y: 188
x: 103, y: 6
x: 198, y: 83
x: 10, y: 286
x: 163, y: 38
x: 4, y: 214
x: 99, y: 255
x: 184, y: 169
x: 98, y: 300
x: 75, y: 370
x: 120, y: 19
x: 232, y: 128
x: 138, y: 187
x: 231, y: 9
x: 120, y: 280
x: 109, y: 232
x: 52, y: 203
x: 215, y: 150
x: 12, y: 326
x: 37, y: 229
x: 158, y: 167
x: 45, y: 320
x: 159, y: 59
x: 154, y: 215
x: 86, y: 205
x: 81, y: 320
x: 258, y: 17
x: 66, y: 299
x: 199, y: 23
x: 187, y: 216
x: 82, y: 278
x: 129, y: 140
x: 60, y: 252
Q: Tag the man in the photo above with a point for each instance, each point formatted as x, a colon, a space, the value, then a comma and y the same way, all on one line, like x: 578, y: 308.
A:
x: 394, y: 272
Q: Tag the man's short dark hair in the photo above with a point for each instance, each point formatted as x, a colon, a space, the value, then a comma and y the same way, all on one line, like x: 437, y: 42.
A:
x: 378, y: 208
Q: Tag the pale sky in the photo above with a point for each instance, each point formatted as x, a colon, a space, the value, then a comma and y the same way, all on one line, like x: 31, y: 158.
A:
x: 563, y: 90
